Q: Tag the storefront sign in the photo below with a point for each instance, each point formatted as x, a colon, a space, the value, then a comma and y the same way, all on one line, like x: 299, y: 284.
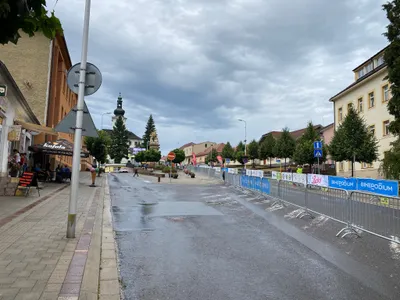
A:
x: 14, y: 133
x: 3, y: 90
x: 49, y: 145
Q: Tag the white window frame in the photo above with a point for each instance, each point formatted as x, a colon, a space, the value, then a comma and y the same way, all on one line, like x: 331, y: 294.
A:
x: 371, y: 98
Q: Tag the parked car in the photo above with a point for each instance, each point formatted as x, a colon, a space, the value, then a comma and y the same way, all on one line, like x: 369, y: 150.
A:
x: 123, y: 170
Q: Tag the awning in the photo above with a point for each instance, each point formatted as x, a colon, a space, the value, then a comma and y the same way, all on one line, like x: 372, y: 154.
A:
x: 59, y: 147
x: 36, y: 127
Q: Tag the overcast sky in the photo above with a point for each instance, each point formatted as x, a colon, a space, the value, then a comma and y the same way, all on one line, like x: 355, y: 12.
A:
x: 200, y: 65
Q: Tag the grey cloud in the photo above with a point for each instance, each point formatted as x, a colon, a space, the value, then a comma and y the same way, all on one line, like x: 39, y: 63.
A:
x: 202, y: 64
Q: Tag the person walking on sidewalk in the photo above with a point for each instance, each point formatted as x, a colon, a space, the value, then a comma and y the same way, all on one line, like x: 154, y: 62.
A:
x: 93, y: 173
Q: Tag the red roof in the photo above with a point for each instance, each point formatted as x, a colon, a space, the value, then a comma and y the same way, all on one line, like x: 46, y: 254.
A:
x: 218, y: 147
x: 186, y: 145
x: 295, y: 134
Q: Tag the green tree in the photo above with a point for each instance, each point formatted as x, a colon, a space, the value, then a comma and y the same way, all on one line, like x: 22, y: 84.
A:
x: 30, y: 16
x: 252, y: 151
x: 120, y: 143
x: 353, y: 141
x: 140, y: 157
x: 391, y: 161
x: 285, y: 145
x: 98, y: 146
x: 212, y: 156
x: 240, y: 146
x: 239, y: 156
x: 152, y: 155
x: 227, y: 151
x: 179, y: 156
x: 150, y: 127
x: 304, y: 152
x: 267, y: 148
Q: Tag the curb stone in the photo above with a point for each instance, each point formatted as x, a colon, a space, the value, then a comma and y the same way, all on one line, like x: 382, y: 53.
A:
x: 109, y: 284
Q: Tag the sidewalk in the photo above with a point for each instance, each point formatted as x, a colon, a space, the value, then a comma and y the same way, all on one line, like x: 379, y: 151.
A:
x: 37, y: 261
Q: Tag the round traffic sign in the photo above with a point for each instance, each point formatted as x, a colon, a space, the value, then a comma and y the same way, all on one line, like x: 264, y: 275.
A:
x: 93, y: 78
x: 171, y: 156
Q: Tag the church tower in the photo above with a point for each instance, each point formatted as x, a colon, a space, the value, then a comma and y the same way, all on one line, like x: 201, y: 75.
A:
x: 119, y: 111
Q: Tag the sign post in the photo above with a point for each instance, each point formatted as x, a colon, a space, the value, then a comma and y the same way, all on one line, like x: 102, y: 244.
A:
x: 171, y: 156
x: 318, y: 152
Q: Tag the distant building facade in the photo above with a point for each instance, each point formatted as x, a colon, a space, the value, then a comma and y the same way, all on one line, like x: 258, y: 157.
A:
x: 369, y: 94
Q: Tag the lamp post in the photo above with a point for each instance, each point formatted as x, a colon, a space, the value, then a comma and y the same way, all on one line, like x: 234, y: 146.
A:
x: 102, y: 115
x: 245, y: 137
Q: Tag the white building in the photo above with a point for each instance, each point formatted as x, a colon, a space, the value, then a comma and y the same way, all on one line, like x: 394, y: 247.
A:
x: 369, y: 93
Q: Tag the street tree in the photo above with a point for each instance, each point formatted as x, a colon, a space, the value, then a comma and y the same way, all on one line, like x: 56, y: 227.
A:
x: 240, y: 146
x: 285, y: 145
x: 150, y: 127
x: 252, y: 151
x: 120, y: 143
x: 179, y: 156
x: 391, y: 162
x: 304, y: 152
x: 353, y: 141
x: 140, y: 157
x: 267, y: 148
x: 30, y: 16
x: 98, y: 146
x: 239, y: 157
x: 228, y: 152
x: 152, y: 155
x: 212, y: 156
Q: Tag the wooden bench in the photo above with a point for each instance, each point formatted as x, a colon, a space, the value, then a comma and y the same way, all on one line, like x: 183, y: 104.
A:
x: 26, y: 181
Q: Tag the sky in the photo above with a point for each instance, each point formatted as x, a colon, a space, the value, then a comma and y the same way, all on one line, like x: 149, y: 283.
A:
x: 200, y: 65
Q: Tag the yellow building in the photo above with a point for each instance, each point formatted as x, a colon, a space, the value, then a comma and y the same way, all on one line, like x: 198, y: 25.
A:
x: 369, y: 94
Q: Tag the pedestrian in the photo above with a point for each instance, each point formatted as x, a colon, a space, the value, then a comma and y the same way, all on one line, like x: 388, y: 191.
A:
x: 223, y: 175
x: 93, y: 173
x: 136, y: 173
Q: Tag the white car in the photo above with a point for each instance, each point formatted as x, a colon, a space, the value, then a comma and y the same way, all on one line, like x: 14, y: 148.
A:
x: 123, y: 170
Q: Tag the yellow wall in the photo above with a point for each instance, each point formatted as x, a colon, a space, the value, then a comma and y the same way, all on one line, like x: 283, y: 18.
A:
x: 373, y: 116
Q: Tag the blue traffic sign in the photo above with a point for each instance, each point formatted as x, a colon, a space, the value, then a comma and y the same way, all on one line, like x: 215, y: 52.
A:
x: 317, y: 152
x: 317, y: 145
x: 227, y: 160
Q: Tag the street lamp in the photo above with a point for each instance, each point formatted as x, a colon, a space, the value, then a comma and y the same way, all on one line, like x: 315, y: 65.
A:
x: 245, y: 137
x: 102, y: 115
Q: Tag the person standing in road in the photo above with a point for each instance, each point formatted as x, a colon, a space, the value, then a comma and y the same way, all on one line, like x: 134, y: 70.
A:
x: 136, y: 173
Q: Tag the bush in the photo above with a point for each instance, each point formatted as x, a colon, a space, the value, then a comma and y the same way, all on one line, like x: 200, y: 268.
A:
x: 166, y: 170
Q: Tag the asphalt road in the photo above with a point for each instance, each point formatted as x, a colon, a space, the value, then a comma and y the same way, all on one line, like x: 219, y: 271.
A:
x: 184, y: 242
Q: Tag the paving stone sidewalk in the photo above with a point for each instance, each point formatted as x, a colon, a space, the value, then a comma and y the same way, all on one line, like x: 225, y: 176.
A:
x: 37, y: 261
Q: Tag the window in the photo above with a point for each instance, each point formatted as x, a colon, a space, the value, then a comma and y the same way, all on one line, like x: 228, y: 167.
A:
x: 380, y: 61
x: 361, y: 73
x: 205, y: 146
x: 372, y: 129
x: 350, y: 105
x: 386, y: 128
x: 340, y: 114
x: 360, y: 105
x: 385, y: 93
x: 341, y: 166
x: 369, y: 67
x: 371, y: 98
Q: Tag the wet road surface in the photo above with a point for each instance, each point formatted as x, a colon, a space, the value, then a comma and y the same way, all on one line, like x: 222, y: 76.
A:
x: 184, y: 242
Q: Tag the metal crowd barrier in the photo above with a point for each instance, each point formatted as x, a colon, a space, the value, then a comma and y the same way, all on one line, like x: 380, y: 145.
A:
x: 358, y: 211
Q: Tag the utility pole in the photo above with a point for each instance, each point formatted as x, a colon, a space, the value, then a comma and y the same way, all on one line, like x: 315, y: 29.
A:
x: 76, y: 159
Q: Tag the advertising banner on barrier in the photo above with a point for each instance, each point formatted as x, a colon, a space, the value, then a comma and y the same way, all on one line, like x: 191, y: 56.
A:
x: 265, y: 186
x: 258, y: 173
x: 245, y: 181
x: 348, y: 184
x: 318, y: 180
x: 276, y: 175
x: 257, y: 183
x: 299, y: 178
x: 249, y: 172
x: 286, y: 176
x: 217, y: 169
x: 381, y: 187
